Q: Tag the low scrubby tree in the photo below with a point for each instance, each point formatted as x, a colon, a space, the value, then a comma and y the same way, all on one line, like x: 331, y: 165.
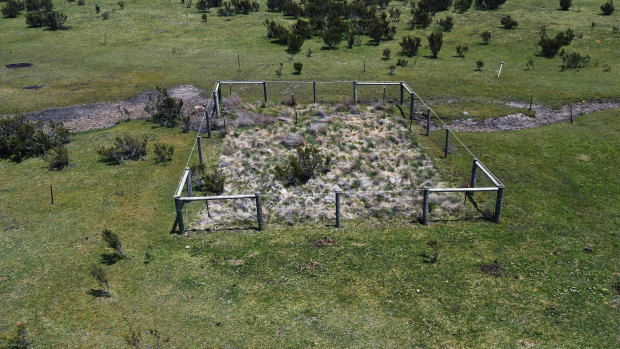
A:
x: 435, y: 40
x: 164, y: 109
x: 297, y: 66
x: 479, y: 65
x: 209, y: 182
x: 434, y: 6
x: 447, y: 23
x: 608, y: 8
x: 163, y: 153
x: 489, y: 4
x: 302, y: 28
x: 125, y: 147
x: 21, y: 138
x: 58, y: 157
x: 101, y: 277
x: 202, y: 6
x: 461, y: 50
x: 462, y: 5
x: 421, y: 18
x: 565, y: 4
x: 486, y: 37
x: 307, y: 163
x: 574, y: 60
x: 113, y: 241
x: 549, y: 47
x: 410, y: 45
x: 294, y: 43
x: 13, y: 8
x: 386, y: 53
x: 508, y: 22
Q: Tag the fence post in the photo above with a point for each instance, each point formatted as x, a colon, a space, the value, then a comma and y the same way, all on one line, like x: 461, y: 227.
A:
x: 355, y: 91
x: 338, y: 209
x: 219, y: 91
x: 428, y: 122
x: 498, y: 203
x: 402, y: 92
x: 474, y: 171
x: 445, y: 153
x: 178, y: 204
x: 314, y: 90
x: 189, y: 182
x: 425, y: 207
x: 216, y: 104
x: 199, y: 149
x: 259, y: 211
x: 265, y: 90
x: 208, y: 122
x: 411, y: 106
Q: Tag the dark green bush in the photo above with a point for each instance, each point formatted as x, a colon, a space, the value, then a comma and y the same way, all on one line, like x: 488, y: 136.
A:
x: 608, y: 8
x: 447, y: 23
x: 163, y: 153
x: 402, y: 62
x: 125, y: 147
x: 163, y: 109
x: 565, y: 4
x: 58, y: 157
x: 479, y: 65
x: 294, y: 43
x: 113, y: 241
x: 486, y: 37
x: 54, y: 20
x: 462, y: 5
x: 292, y: 9
x: 207, y: 182
x: 410, y: 45
x: 297, y: 66
x: 387, y: 53
x: 434, y: 6
x: 489, y: 4
x: 550, y: 46
x: 121, y: 4
x: 305, y: 165
x: 21, y: 138
x: 276, y: 31
x: 421, y: 18
x: 508, y: 22
x: 202, y: 6
x: 461, y: 50
x: 102, y: 279
x: 302, y: 28
x: 13, y: 8
x: 574, y: 60
x: 435, y: 40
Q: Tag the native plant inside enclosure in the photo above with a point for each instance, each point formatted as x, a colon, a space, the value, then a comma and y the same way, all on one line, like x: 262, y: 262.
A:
x: 307, y: 163
x: 210, y: 182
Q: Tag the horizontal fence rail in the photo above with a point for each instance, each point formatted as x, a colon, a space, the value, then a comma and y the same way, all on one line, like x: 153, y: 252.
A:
x: 212, y: 109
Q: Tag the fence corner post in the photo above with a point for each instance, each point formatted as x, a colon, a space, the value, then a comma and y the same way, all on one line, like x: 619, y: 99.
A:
x: 265, y: 90
x: 498, y: 203
x: 338, y: 193
x: 425, y: 207
x: 189, y: 182
x: 314, y: 90
x: 259, y: 211
x: 428, y: 122
x: 219, y: 91
x: 445, y: 153
x: 474, y: 173
x: 355, y: 91
x: 216, y: 104
x: 178, y: 204
x: 402, y: 92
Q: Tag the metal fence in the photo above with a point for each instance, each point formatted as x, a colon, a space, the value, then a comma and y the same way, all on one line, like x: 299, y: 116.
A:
x: 333, y: 91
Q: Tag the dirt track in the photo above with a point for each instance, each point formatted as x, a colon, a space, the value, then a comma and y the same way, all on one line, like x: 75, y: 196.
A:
x: 103, y: 115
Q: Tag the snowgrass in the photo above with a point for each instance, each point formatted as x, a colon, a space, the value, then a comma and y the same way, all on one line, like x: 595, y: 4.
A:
x: 163, y: 43
x: 244, y: 288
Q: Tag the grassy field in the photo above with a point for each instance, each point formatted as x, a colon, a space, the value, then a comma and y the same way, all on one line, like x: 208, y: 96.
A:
x: 163, y: 43
x: 556, y: 252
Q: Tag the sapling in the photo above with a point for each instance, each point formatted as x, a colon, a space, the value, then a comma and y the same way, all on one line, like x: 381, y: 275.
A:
x: 432, y: 243
x: 113, y: 241
x: 100, y: 276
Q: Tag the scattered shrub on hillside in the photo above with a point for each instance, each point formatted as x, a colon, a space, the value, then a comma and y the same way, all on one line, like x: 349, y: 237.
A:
x: 105, y: 15
x: 608, y: 8
x: 13, y: 8
x: 434, y: 6
x: 574, y: 60
x: 387, y: 53
x: 392, y: 68
x: 303, y: 166
x: 486, y: 37
x: 447, y: 23
x: 204, y: 17
x: 81, y: 3
x: 125, y: 147
x: 395, y: 14
x: 529, y: 65
x: 207, y: 182
x: 185, y: 123
x: 40, y: 14
x: 302, y: 28
x: 294, y: 43
x: 434, y: 245
x: 58, y: 132
x: 15, y: 340
x: 121, y: 4
x: 113, y: 241
x: 97, y: 9
x: 278, y: 70
x: 402, y: 62
x: 435, y: 40
x: 292, y: 9
x: 410, y: 45
x: 202, y: 6
x: 276, y: 31
x: 421, y: 18
x: 550, y: 46
x: 102, y: 279
x: 163, y: 109
x: 226, y: 10
x: 461, y: 50
x: 58, y: 157
x: 163, y: 153
x: 508, y: 22
x: 297, y: 66
x: 489, y: 4
x: 479, y: 65
x: 462, y: 5
x: 565, y: 4
x: 21, y: 138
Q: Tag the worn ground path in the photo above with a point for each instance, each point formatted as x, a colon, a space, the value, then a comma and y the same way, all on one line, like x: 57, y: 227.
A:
x: 103, y: 115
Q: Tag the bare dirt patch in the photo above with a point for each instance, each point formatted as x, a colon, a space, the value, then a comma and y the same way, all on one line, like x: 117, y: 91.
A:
x: 322, y: 242
x: 494, y: 269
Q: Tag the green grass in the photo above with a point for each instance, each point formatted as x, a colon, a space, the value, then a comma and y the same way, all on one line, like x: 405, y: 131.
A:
x: 561, y: 196
x: 163, y: 43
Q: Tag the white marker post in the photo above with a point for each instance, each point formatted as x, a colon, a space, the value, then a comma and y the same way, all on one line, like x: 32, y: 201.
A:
x: 501, y: 64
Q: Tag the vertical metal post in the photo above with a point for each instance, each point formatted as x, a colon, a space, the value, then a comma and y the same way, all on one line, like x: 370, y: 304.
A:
x: 219, y: 91
x: 402, y: 92
x: 474, y: 171
x: 189, y: 182
x: 355, y: 91
x: 265, y: 90
x: 338, y: 209
x: 314, y: 90
x: 208, y: 123
x: 445, y: 152
x: 259, y: 211
x: 217, y: 104
x: 571, y: 113
x: 52, y: 194
x: 178, y: 204
x: 498, y: 203
x: 425, y: 207
x: 411, y: 106
x: 199, y: 149
x: 428, y: 122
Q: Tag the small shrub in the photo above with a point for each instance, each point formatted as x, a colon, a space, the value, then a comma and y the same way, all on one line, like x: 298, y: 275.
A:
x: 435, y: 40
x: 163, y: 153
x: 434, y: 6
x: 421, y: 18
x: 81, y: 3
x: 294, y: 43
x: 529, y: 65
x: 105, y: 15
x: 21, y: 138
x: 58, y: 133
x: 447, y: 23
x: 402, y: 62
x: 550, y: 46
x: 305, y: 165
x: 461, y: 50
x: 202, y: 6
x: 508, y: 23
x: 12, y: 8
x: 112, y: 241
x: 204, y: 17
x: 462, y: 5
x: 392, y: 68
x: 278, y: 70
x: 574, y: 60
x: 434, y: 245
x: 565, y: 4
x: 486, y: 37
x: 102, y: 279
x: 297, y: 66
x: 386, y: 53
x: 97, y: 9
x: 608, y: 8
x: 479, y: 65
x: 163, y: 109
x: 208, y: 182
x: 410, y: 45
x: 125, y: 147
x: 121, y: 4
x: 58, y: 157
x: 15, y: 340
x: 489, y: 4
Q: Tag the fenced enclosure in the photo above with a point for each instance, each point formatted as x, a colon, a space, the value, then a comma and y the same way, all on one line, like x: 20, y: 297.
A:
x: 481, y: 188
